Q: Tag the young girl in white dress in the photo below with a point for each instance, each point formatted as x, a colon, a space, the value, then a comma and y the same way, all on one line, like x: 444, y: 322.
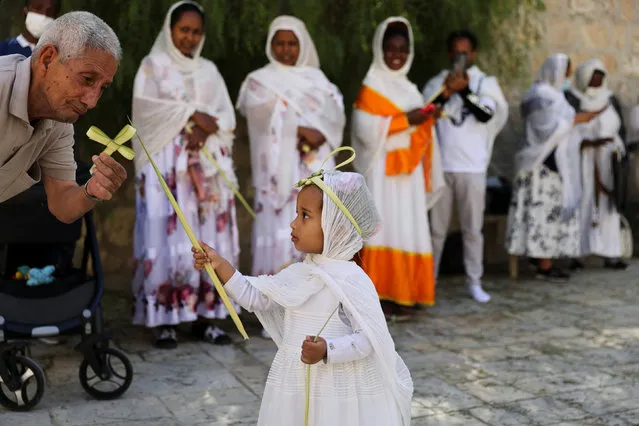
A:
x: 357, y: 377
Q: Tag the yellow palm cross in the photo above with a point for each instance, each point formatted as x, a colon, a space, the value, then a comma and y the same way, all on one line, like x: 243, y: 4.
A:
x: 115, y: 144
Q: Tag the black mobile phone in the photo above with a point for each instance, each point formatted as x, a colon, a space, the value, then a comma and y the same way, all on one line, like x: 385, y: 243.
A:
x: 459, y: 62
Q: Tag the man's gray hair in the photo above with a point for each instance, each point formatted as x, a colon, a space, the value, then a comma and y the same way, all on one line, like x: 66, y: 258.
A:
x: 74, y: 32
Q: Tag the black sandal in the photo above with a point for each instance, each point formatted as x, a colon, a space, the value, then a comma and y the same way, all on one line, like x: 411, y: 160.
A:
x: 213, y: 335
x: 618, y: 265
x: 167, y: 338
x: 553, y: 274
x: 576, y: 265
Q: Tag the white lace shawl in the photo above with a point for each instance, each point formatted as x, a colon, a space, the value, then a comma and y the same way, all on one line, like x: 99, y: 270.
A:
x: 548, y: 126
x: 167, y: 92
x: 276, y: 99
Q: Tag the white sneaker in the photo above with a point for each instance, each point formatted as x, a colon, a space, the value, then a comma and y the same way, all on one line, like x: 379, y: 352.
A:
x: 479, y: 294
x: 265, y: 334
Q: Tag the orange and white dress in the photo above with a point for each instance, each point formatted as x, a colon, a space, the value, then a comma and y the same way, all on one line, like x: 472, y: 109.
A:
x: 402, y: 168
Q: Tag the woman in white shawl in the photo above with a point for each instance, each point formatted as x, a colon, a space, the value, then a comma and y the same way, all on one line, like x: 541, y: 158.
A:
x: 357, y: 377
x: 181, y: 104
x: 600, y: 221
x: 542, y: 220
x: 399, y: 158
x: 295, y: 117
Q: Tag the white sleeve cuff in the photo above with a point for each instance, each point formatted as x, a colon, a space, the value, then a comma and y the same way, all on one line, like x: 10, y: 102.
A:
x: 235, y: 285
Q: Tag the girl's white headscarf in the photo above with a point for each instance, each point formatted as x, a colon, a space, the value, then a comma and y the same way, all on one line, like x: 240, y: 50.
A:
x: 308, y: 54
x: 164, y: 43
x: 341, y: 239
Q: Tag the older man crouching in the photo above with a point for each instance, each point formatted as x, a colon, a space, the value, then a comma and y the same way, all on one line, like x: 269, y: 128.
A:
x: 73, y: 63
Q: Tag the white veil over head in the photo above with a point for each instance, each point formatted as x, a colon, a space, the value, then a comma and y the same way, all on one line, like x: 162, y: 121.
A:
x: 164, y: 42
x: 308, y: 54
x: 341, y: 240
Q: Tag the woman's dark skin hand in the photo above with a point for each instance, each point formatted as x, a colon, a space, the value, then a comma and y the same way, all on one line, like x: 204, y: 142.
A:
x: 415, y: 117
x: 196, y: 139
x: 455, y: 82
x: 206, y: 122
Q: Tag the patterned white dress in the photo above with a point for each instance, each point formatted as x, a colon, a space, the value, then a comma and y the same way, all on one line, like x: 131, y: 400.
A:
x: 276, y: 100
x: 543, y: 219
x: 166, y: 288
x: 536, y: 226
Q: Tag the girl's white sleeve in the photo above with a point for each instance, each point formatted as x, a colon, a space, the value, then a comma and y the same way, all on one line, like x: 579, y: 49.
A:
x: 249, y: 297
x: 351, y: 347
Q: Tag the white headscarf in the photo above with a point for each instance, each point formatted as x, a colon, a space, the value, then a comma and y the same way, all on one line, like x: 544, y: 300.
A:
x: 545, y: 110
x: 553, y: 70
x: 379, y: 64
x: 162, y: 106
x: 549, y: 126
x: 348, y: 282
x: 308, y: 54
x: 164, y: 43
x: 391, y: 83
x: 369, y: 133
x: 369, y: 137
x: 276, y: 99
x: 592, y: 98
x: 341, y: 239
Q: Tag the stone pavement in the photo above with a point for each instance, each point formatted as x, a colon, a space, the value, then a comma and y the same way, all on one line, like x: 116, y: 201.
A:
x: 538, y: 354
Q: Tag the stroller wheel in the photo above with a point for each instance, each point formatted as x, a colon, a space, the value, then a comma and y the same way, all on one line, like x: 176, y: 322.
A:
x: 30, y: 379
x: 114, y: 377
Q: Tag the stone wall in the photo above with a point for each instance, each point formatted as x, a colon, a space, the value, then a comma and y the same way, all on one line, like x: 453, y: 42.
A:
x: 606, y: 29
x: 583, y: 29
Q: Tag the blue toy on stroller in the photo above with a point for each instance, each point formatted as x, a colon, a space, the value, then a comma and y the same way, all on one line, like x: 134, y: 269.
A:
x: 30, y: 235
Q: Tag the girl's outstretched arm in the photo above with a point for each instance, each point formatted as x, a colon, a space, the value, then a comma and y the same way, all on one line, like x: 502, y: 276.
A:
x: 237, y: 286
x: 223, y: 268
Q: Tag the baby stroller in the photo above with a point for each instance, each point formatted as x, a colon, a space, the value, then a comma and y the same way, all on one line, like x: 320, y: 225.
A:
x: 30, y: 235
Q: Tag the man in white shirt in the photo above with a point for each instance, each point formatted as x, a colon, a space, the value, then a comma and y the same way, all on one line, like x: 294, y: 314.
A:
x: 475, y: 110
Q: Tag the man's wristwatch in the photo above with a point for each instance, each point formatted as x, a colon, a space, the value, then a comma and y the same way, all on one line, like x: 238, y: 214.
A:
x: 89, y: 196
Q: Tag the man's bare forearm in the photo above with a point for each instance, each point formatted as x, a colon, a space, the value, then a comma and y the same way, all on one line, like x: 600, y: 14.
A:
x: 70, y: 203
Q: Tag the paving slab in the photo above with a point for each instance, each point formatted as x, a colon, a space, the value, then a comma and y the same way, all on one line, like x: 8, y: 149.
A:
x: 538, y: 354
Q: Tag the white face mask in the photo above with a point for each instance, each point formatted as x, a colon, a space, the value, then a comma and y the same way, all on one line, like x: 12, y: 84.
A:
x: 37, y: 23
x: 566, y: 85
